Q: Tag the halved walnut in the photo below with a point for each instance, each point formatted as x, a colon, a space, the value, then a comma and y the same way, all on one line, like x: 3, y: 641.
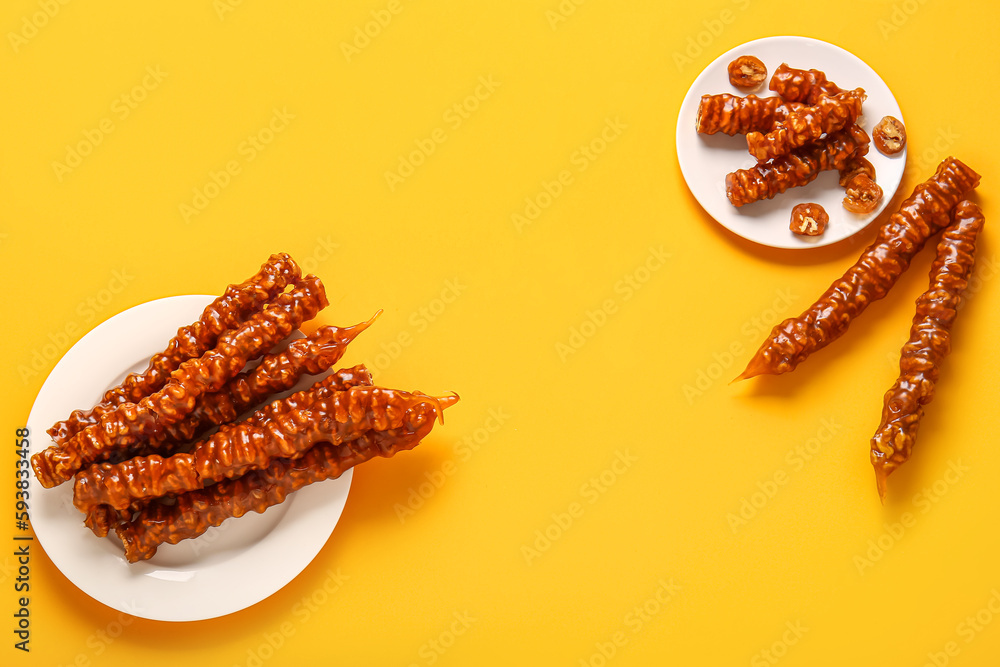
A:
x: 854, y: 167
x: 889, y: 136
x: 747, y: 72
x: 809, y: 219
x: 863, y: 195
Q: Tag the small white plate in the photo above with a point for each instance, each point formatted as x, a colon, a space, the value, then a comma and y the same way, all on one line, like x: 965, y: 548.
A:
x: 706, y: 159
x: 228, y: 568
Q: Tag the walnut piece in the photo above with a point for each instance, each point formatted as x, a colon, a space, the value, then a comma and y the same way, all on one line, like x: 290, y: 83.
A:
x: 747, y: 72
x: 863, y: 195
x: 855, y: 166
x: 889, y: 136
x: 809, y: 220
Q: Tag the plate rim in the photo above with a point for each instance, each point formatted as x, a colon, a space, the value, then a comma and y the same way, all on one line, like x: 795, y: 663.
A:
x: 308, y: 518
x: 689, y: 104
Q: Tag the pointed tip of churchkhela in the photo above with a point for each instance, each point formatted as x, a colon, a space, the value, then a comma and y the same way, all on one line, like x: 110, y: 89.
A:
x: 443, y: 402
x: 745, y: 375
x: 370, y: 320
x: 353, y: 331
x: 344, y: 335
x: 883, y: 467
x: 880, y: 481
x: 756, y: 367
x: 440, y: 403
x: 448, y: 401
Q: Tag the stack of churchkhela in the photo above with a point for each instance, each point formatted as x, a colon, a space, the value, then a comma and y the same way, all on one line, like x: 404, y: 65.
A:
x: 143, y: 462
x: 810, y: 127
x: 936, y: 205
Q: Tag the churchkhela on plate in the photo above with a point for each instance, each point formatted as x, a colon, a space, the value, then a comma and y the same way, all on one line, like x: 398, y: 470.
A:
x: 140, y: 469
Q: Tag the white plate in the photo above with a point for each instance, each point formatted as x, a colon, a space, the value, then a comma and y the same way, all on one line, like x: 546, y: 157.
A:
x: 706, y: 159
x: 228, y: 568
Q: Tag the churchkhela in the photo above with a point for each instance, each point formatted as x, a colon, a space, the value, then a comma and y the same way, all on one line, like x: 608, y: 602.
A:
x: 145, y: 464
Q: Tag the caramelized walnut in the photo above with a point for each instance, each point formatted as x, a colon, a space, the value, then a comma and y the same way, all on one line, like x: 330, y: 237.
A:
x: 747, y: 72
x: 863, y: 195
x: 889, y: 136
x: 854, y: 167
x: 809, y: 220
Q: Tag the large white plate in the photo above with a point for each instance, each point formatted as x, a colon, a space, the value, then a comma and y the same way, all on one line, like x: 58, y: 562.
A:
x: 228, y: 568
x: 706, y: 159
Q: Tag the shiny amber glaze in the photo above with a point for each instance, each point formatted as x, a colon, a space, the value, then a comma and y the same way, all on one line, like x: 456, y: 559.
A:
x: 926, y: 212
x: 224, y: 313
x: 928, y: 345
x: 129, y: 423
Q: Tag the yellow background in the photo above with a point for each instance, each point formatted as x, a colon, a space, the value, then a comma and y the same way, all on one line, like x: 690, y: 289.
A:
x: 319, y: 192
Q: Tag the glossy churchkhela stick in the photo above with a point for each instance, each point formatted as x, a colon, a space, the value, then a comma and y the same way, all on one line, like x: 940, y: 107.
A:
x: 117, y: 486
x: 801, y: 85
x: 195, y: 512
x: 342, y: 380
x: 275, y: 373
x: 238, y: 303
x: 923, y: 214
x: 732, y: 114
x: 102, y: 517
x: 131, y: 423
x: 830, y: 114
x: 337, y: 418
x: 929, y: 343
x: 800, y: 167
